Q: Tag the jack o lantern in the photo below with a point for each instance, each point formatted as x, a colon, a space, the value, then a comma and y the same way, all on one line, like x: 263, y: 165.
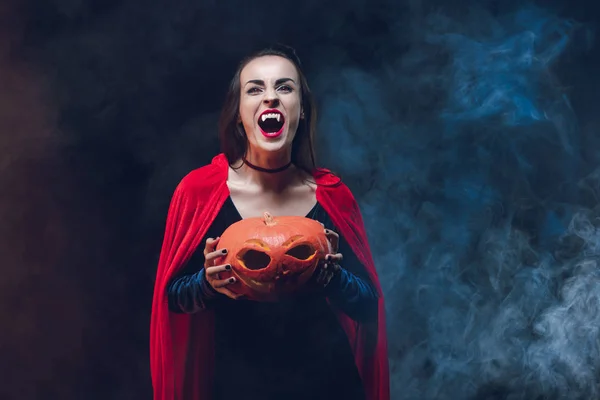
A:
x: 272, y: 257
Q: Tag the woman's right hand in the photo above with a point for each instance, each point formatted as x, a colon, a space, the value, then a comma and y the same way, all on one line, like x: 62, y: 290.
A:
x: 211, y: 269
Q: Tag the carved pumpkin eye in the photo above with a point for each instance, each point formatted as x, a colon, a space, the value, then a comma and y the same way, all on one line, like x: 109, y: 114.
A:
x: 301, y: 252
x: 254, y: 259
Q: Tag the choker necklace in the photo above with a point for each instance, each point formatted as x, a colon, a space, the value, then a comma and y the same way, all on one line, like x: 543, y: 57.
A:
x: 270, y: 171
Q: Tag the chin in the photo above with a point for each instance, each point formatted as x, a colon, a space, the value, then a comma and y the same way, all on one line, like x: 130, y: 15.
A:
x: 272, y: 147
x: 273, y: 144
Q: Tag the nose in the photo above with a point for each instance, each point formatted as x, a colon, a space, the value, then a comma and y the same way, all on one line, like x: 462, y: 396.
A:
x: 271, y: 98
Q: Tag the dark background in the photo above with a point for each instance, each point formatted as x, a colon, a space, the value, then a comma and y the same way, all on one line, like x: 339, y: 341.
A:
x: 468, y: 131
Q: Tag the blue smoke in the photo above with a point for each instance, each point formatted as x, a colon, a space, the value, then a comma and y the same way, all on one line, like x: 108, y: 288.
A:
x: 505, y: 73
x: 459, y: 151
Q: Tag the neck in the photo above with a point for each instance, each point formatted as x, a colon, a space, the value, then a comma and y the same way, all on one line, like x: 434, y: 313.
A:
x: 267, y: 170
x: 250, y: 171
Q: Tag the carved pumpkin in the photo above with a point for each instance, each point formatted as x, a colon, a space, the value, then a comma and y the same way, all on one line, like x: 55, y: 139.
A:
x: 272, y: 256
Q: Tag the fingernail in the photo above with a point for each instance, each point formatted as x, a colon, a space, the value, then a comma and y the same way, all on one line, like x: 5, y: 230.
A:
x: 231, y: 280
x: 224, y: 251
x: 228, y: 266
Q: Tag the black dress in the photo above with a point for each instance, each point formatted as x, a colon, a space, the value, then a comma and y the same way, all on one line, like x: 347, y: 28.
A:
x: 289, y: 350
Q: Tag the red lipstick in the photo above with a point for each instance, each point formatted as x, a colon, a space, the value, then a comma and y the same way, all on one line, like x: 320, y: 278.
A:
x: 271, y: 123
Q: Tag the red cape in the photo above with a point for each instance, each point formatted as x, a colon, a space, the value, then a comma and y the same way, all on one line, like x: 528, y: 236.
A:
x: 181, y: 345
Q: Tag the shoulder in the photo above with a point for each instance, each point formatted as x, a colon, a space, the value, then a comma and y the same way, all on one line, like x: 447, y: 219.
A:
x: 206, y: 177
x: 331, y: 186
x: 325, y: 177
x: 330, y: 181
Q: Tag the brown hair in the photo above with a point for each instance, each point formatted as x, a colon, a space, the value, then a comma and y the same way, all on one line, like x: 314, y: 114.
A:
x: 234, y: 143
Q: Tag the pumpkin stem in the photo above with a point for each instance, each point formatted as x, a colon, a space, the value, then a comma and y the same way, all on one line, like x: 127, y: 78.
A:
x: 268, y: 218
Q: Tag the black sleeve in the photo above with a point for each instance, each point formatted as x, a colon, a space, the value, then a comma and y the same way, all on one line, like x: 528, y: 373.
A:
x: 189, y: 291
x: 351, y: 290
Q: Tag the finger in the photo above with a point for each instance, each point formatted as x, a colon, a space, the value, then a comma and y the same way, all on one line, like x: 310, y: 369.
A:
x: 336, y: 268
x: 221, y: 283
x: 215, y: 254
x: 230, y: 294
x: 320, y: 279
x: 327, y: 279
x: 211, y: 245
x: 334, y: 239
x: 334, y: 258
x: 326, y: 273
x: 320, y: 274
x: 212, y: 271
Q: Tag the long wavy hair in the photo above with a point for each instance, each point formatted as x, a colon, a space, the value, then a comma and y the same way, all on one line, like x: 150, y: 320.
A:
x: 233, y: 139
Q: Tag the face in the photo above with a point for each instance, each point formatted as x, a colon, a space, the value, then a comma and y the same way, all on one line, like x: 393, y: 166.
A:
x: 270, y: 103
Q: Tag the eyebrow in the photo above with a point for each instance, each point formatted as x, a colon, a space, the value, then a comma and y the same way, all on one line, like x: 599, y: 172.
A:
x: 277, y: 82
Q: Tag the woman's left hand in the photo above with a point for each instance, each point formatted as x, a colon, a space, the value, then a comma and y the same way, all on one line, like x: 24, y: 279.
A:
x: 330, y: 267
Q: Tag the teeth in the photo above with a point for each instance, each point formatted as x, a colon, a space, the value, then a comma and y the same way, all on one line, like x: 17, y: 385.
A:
x: 277, y: 116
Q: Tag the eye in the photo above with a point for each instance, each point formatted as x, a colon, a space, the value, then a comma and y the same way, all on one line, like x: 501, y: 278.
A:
x: 285, y: 88
x: 254, y: 259
x: 301, y: 252
x: 253, y: 90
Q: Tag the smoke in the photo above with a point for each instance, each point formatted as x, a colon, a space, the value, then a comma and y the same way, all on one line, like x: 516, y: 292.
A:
x: 450, y: 146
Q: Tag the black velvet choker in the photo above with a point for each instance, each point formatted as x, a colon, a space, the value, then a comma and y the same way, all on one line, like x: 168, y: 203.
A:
x: 270, y: 171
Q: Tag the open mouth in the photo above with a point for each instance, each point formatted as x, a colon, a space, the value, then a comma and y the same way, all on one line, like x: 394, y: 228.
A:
x: 271, y: 122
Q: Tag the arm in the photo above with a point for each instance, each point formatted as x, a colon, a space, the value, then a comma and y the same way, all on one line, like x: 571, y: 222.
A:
x: 347, y: 288
x: 353, y: 295
x: 190, y: 292
x: 350, y: 289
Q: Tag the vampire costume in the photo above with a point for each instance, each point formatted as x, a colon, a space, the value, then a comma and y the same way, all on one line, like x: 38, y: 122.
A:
x: 193, y: 351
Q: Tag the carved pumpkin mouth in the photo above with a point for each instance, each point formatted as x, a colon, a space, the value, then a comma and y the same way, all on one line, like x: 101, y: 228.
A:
x: 287, y: 278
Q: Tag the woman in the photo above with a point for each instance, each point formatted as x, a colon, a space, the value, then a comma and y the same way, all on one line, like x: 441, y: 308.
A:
x: 206, y: 343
